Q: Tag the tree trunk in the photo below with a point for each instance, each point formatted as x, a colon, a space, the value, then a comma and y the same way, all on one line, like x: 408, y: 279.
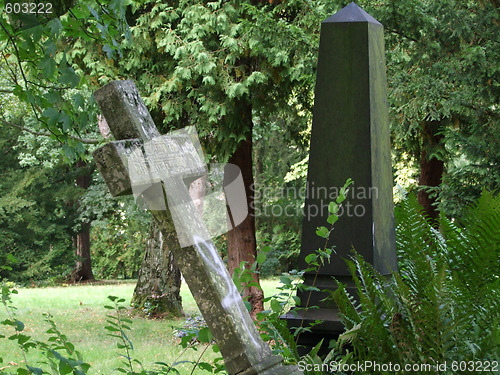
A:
x: 431, y: 168
x: 241, y: 242
x: 83, y: 269
x: 157, y: 292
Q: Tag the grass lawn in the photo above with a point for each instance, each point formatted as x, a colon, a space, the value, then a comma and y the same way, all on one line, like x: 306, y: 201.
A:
x: 80, y: 314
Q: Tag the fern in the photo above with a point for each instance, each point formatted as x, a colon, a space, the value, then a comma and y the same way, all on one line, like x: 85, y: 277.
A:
x: 443, y: 305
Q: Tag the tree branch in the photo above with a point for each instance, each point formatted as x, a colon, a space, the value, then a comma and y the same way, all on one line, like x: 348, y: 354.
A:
x: 88, y: 141
x: 394, y: 31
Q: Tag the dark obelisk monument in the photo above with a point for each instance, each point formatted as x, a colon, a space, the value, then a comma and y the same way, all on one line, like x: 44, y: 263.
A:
x: 350, y: 139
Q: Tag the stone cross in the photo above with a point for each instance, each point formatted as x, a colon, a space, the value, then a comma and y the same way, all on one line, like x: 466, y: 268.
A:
x: 349, y: 139
x: 156, y: 168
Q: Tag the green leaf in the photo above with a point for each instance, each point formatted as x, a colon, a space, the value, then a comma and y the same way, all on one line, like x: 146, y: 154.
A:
x: 69, y: 77
x: 204, y: 335
x: 78, y: 100
x: 18, y: 325
x: 311, y: 258
x: 69, y: 152
x: 94, y: 13
x: 64, y: 368
x: 205, y: 366
x: 28, y: 20
x: 333, y: 208
x: 109, y: 51
x: 340, y: 198
x: 276, y: 306
x: 261, y: 258
x: 332, y: 219
x: 70, y: 346
x: 52, y: 116
x: 67, y: 122
x: 323, y: 232
x: 21, y: 339
x: 208, y: 80
x: 55, y: 27
x: 266, y: 249
x: 48, y: 66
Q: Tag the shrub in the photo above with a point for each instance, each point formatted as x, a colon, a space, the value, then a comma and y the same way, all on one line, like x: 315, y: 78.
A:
x: 443, y: 305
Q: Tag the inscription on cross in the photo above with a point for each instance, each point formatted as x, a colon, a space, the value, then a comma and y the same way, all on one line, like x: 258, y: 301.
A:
x: 157, y: 170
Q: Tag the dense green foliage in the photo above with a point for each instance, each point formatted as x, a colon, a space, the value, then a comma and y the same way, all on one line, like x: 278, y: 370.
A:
x: 44, y: 68
x: 213, y: 64
x: 443, y: 72
x: 444, y: 303
x: 210, y: 63
x: 119, y: 232
x: 37, y: 214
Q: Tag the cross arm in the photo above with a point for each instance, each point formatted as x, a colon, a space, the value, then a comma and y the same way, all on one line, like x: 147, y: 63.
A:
x: 111, y: 160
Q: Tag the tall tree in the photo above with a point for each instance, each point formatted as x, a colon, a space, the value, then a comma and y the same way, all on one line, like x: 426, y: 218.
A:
x: 221, y: 66
x: 157, y: 292
x: 36, y: 212
x: 443, y: 73
x: 83, y: 269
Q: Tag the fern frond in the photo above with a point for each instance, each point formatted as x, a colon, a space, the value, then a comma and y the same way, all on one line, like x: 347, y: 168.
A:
x: 286, y: 338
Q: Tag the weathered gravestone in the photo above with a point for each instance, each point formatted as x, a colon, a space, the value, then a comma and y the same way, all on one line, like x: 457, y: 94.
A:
x: 157, y: 168
x: 350, y: 139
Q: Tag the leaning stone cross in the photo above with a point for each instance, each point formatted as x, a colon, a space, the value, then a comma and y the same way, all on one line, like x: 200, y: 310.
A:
x: 157, y: 168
